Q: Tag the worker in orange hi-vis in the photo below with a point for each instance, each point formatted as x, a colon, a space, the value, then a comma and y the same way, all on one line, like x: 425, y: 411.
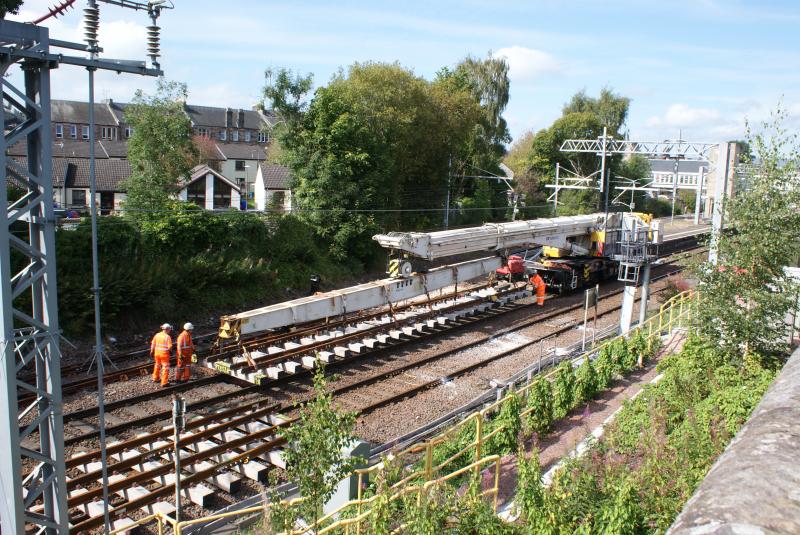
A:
x: 185, y: 350
x: 160, y: 349
x: 538, y: 284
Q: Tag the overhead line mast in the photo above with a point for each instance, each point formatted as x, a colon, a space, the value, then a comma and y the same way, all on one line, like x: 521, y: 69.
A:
x: 29, y: 330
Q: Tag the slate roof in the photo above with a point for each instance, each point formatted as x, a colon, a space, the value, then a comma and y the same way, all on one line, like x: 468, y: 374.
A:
x: 241, y: 151
x: 684, y: 166
x: 213, y: 116
x: 74, y: 172
x: 275, y: 176
x: 72, y: 111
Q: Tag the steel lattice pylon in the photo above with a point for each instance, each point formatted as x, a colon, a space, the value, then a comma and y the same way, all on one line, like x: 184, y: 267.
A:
x: 33, y: 435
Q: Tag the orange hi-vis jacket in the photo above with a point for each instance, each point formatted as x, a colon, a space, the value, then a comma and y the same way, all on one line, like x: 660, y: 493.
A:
x: 161, y: 344
x: 185, y: 346
x: 538, y: 283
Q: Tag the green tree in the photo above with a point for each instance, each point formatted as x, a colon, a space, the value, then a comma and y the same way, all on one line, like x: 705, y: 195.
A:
x: 9, y: 6
x: 372, y: 152
x: 610, y: 108
x: 313, y: 457
x: 160, y: 149
x: 746, y: 295
x: 583, y: 117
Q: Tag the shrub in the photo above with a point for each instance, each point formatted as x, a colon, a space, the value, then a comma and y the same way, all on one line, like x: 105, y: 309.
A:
x: 530, y: 491
x: 540, y: 403
x: 563, y: 390
x: 585, y: 381
x: 509, y: 423
x: 604, y: 366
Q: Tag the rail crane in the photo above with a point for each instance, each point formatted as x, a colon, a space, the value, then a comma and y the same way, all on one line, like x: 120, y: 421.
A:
x: 577, y: 250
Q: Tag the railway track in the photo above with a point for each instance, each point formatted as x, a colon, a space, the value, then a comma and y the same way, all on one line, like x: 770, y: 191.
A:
x: 240, y: 427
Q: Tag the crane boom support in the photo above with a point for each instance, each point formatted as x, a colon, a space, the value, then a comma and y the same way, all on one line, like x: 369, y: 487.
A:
x: 556, y: 232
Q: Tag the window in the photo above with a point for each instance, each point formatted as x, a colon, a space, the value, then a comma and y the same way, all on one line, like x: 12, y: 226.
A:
x: 240, y: 165
x: 73, y: 131
x: 107, y: 132
x: 202, y: 132
x: 235, y: 135
x: 222, y: 194
x: 247, y: 136
x: 128, y: 132
x: 196, y: 193
x: 85, y: 132
x: 263, y: 137
x: 59, y: 131
x: 223, y: 135
x: 79, y: 197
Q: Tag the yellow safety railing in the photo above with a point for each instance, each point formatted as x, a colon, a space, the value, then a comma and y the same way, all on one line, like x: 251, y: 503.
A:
x: 676, y: 313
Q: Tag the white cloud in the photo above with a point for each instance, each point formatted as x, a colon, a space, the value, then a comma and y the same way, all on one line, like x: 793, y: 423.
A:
x: 681, y: 115
x: 528, y: 63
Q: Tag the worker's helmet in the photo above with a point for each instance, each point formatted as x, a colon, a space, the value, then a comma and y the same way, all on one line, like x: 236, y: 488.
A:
x: 534, y: 272
x: 188, y: 326
x: 166, y: 327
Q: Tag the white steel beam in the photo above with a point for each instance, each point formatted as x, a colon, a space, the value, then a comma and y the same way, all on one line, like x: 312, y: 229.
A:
x: 354, y: 298
x: 674, y: 149
x: 553, y: 232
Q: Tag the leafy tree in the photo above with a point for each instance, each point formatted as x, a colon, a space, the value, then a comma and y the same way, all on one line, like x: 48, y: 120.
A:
x: 314, y: 454
x: 746, y: 296
x: 9, y: 7
x: 160, y: 149
x: 372, y: 151
x: 540, y: 401
x: 611, y: 108
x: 563, y: 390
x: 583, y: 117
x: 604, y: 366
x: 287, y: 91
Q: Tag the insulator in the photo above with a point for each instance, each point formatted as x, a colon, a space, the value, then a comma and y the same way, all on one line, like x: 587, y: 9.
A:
x: 153, y: 42
x: 91, y: 20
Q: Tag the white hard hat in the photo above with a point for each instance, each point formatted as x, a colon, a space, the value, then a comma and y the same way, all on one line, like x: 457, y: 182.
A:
x: 166, y: 326
x: 188, y: 326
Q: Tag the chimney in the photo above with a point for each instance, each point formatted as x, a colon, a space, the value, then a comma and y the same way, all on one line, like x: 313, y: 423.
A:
x: 240, y: 119
x: 228, y: 117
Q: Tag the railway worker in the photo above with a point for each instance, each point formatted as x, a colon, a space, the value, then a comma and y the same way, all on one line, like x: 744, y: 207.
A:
x: 185, y: 349
x: 160, y: 349
x: 538, y: 284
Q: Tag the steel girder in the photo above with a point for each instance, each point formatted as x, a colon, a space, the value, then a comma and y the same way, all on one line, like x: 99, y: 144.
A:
x: 673, y: 149
x: 32, y: 435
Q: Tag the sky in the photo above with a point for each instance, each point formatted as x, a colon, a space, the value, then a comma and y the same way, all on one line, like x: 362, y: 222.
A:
x: 694, y: 68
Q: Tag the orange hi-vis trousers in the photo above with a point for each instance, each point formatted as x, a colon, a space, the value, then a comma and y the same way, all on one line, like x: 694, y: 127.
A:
x: 183, y: 370
x: 161, y: 368
x: 540, y: 291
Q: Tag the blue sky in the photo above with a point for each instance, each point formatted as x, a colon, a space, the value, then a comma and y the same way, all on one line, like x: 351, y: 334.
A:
x: 699, y: 67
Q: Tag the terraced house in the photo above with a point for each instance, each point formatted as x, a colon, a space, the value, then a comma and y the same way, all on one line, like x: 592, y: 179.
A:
x: 233, y: 144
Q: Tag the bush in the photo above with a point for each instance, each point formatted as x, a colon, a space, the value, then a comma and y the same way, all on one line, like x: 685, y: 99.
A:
x: 509, y: 423
x: 604, y: 366
x: 540, y: 403
x: 184, y: 262
x: 585, y: 382
x: 563, y: 390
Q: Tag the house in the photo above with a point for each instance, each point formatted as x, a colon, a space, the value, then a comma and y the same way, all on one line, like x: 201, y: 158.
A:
x: 71, y: 188
x: 235, y: 145
x: 272, y: 188
x: 210, y: 190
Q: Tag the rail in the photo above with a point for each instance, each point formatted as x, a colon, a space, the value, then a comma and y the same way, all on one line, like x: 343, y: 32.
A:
x: 676, y: 313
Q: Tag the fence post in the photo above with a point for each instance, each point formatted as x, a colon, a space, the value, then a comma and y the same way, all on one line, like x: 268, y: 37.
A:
x: 429, y: 461
x: 478, y: 435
